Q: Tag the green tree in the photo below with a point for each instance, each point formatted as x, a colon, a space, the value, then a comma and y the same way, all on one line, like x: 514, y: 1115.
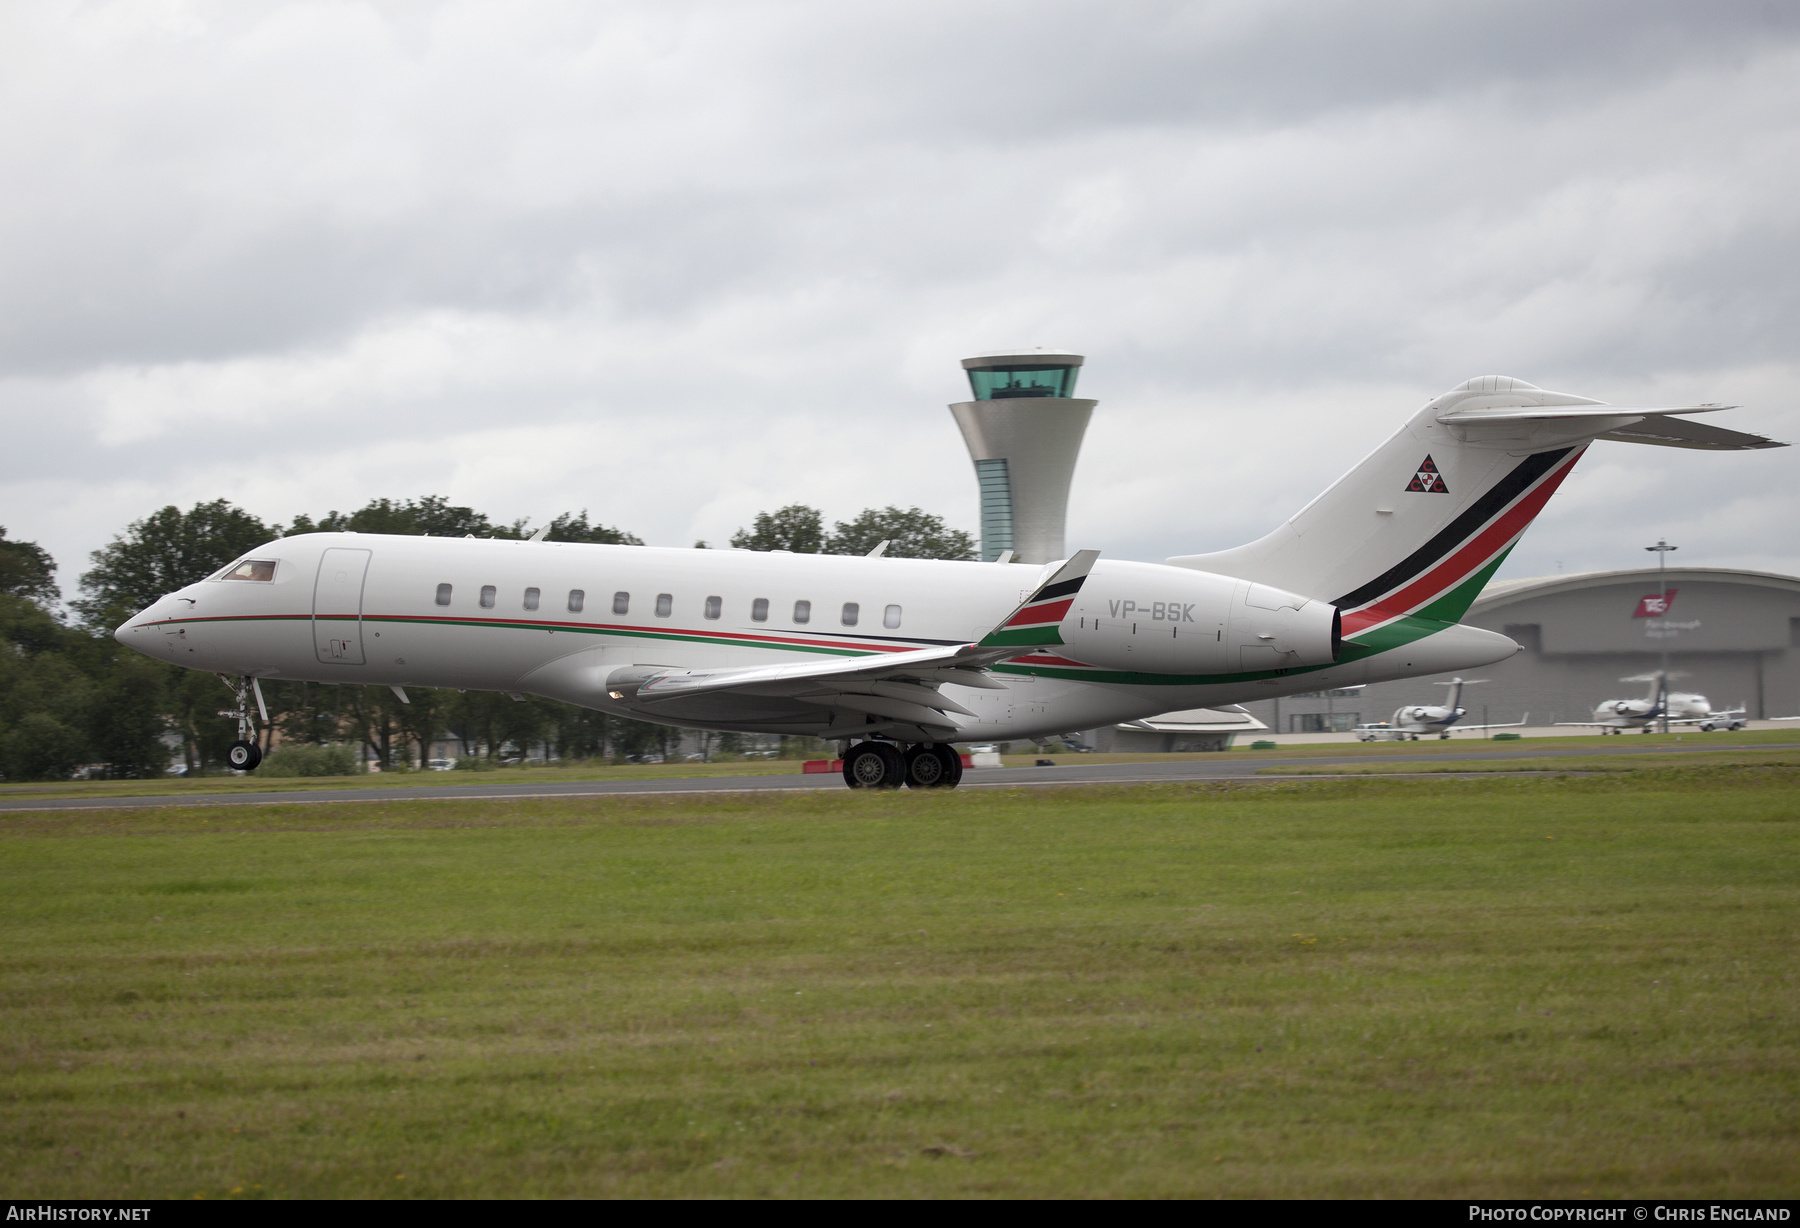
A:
x: 306, y: 712
x: 796, y: 527
x: 436, y: 516
x: 570, y: 527
x: 372, y: 717
x: 126, y: 718
x: 429, y: 516
x: 194, y: 703
x: 422, y: 719
x: 636, y: 741
x: 40, y: 747
x: 29, y: 628
x: 910, y: 534
x: 161, y: 553
x: 27, y: 570
x: 45, y: 687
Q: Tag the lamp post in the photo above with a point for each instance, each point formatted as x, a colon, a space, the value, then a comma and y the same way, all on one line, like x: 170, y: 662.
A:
x: 1661, y: 550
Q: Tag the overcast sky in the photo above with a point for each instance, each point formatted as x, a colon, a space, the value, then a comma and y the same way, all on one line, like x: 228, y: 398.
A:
x: 678, y: 262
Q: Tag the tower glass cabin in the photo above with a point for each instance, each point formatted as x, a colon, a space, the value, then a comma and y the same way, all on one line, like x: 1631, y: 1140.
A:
x: 1024, y: 430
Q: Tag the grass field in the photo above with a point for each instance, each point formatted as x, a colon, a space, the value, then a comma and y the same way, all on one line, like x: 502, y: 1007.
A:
x: 1425, y: 987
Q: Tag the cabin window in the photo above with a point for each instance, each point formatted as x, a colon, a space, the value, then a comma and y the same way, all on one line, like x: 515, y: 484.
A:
x: 890, y: 617
x: 759, y: 610
x: 803, y: 611
x: 531, y: 598
x: 252, y: 569
x: 577, y: 599
x: 621, y: 603
x: 665, y: 605
x: 851, y: 610
x: 443, y: 597
x: 715, y: 606
x: 488, y: 593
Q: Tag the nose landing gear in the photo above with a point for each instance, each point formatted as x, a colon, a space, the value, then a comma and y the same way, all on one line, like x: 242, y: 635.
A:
x: 245, y: 754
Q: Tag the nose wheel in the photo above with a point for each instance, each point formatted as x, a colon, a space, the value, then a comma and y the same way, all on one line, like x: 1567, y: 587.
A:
x: 244, y: 753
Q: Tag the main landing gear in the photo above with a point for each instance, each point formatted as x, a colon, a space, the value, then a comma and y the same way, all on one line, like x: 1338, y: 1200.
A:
x: 244, y: 754
x: 882, y: 765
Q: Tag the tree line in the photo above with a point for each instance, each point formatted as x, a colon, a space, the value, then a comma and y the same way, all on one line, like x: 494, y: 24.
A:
x: 73, y: 699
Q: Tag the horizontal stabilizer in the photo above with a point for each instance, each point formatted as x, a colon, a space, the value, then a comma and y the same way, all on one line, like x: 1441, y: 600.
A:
x: 1666, y: 432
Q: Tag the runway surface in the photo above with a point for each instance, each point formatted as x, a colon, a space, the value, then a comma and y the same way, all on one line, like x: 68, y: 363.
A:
x: 1069, y: 771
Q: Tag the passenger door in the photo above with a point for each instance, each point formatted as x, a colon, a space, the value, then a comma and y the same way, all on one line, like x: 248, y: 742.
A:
x: 337, y: 606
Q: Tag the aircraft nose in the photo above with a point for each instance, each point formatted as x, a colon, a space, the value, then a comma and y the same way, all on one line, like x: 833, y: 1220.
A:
x: 131, y: 632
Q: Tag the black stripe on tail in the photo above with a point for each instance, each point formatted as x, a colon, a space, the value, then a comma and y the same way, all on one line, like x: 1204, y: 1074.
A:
x: 1458, y: 531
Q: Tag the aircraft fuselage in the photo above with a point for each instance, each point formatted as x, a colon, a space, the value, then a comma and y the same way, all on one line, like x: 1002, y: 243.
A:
x: 556, y: 619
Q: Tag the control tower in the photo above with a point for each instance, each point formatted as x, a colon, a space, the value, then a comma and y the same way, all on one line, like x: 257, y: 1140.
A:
x: 1024, y: 431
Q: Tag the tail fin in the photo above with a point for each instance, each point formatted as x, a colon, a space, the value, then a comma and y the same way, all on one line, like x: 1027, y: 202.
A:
x: 1424, y: 521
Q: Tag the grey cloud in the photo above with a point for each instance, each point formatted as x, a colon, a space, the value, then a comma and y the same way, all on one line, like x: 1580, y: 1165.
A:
x: 742, y: 218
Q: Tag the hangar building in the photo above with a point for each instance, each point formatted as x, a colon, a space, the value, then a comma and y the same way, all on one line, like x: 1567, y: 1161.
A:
x: 1733, y: 636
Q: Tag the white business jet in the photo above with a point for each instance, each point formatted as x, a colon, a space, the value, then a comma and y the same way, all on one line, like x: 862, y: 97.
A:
x: 1415, y: 719
x: 1683, y: 708
x: 897, y: 658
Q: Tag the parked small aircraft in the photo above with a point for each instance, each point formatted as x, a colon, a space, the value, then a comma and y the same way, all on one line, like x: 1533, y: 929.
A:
x: 1684, y: 708
x: 894, y: 659
x: 1415, y: 719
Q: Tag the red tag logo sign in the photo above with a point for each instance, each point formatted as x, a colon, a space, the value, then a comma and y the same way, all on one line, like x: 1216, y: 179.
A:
x: 1655, y: 605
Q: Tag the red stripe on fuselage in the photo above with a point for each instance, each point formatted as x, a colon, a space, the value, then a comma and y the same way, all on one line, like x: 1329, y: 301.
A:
x: 1466, y: 560
x: 530, y: 624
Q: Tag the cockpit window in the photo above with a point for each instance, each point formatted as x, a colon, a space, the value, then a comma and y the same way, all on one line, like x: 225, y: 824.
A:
x: 251, y: 569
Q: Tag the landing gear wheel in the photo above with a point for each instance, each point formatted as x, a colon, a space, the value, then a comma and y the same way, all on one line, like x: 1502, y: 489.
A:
x: 933, y: 767
x: 873, y: 765
x: 244, y: 756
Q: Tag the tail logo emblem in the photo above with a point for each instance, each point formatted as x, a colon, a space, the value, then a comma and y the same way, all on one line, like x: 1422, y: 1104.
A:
x: 1428, y: 480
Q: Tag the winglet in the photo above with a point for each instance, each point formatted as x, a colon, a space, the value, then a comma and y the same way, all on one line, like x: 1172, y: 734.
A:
x: 1036, y: 620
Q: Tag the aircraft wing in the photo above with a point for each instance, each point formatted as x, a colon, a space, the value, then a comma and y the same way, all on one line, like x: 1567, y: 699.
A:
x: 897, y: 693
x: 1500, y: 724
x: 1731, y: 714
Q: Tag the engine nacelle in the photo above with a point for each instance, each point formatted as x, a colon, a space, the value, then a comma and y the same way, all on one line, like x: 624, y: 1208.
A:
x: 1170, y: 620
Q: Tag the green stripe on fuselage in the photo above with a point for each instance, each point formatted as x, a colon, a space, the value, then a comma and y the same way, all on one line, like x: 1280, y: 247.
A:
x: 1025, y: 637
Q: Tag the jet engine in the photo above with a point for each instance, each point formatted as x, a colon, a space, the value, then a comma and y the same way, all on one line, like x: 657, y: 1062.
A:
x: 1169, y: 620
